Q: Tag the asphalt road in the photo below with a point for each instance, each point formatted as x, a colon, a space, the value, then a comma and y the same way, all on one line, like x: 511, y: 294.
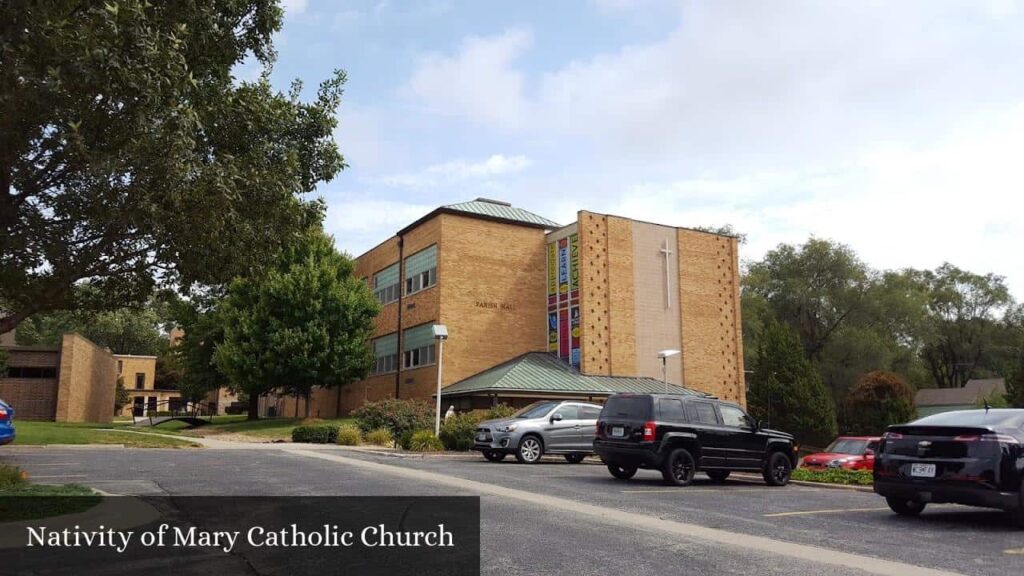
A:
x: 558, y: 518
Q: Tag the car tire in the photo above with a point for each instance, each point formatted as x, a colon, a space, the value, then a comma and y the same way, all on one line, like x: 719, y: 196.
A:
x: 621, y: 472
x: 574, y: 458
x: 1017, y: 516
x: 905, y: 506
x: 494, y: 455
x: 717, y: 476
x: 679, y: 468
x: 778, y: 470
x: 530, y: 449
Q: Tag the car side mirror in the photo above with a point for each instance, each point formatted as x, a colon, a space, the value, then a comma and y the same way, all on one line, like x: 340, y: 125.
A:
x: 556, y: 417
x: 869, y: 452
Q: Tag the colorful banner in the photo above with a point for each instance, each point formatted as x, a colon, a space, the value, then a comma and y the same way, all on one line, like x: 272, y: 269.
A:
x: 563, y: 333
x: 552, y: 269
x: 574, y: 357
x: 563, y: 266
x: 552, y: 331
x: 574, y: 261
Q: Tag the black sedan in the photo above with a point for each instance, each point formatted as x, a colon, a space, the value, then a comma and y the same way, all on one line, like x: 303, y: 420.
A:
x: 972, y: 457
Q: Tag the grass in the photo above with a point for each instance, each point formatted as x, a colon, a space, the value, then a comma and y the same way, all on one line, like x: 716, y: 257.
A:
x: 834, y: 476
x: 40, y: 433
x: 264, y: 429
x: 22, y: 500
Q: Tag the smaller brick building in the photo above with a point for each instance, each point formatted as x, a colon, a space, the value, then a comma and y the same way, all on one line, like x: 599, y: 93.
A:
x: 74, y: 382
x: 138, y: 374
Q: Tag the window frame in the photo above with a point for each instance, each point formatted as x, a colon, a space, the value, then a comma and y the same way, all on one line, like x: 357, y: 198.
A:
x: 745, y: 418
x: 137, y: 381
x: 385, y: 363
x: 390, y: 293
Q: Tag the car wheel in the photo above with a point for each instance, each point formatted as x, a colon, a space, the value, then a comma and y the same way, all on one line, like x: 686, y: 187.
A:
x: 1017, y: 516
x: 530, y: 450
x: 621, y: 472
x: 904, y: 506
x: 574, y: 458
x: 717, y: 475
x: 778, y: 470
x: 494, y: 455
x: 679, y: 468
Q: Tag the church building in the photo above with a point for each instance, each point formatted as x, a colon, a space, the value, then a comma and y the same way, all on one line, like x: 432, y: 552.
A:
x: 535, y: 309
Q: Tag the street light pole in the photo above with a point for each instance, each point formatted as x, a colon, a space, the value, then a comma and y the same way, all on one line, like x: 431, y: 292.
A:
x: 664, y: 355
x: 440, y: 335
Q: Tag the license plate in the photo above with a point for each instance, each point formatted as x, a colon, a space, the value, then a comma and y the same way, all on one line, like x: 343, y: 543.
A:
x: 618, y: 431
x: 922, y: 470
x: 481, y: 436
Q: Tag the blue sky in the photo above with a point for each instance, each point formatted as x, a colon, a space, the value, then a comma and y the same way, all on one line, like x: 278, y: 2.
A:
x: 896, y: 128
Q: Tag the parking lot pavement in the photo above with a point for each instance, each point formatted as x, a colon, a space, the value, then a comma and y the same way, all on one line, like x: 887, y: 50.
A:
x: 528, y: 538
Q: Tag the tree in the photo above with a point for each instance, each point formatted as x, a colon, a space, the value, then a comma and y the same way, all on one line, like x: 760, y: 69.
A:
x: 168, y: 372
x: 787, y: 391
x: 879, y: 400
x: 131, y: 157
x: 203, y: 332
x: 121, y: 396
x: 305, y: 324
x: 1015, y: 383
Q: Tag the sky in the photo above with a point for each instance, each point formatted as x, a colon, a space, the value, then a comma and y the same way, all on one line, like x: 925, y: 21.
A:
x: 896, y: 128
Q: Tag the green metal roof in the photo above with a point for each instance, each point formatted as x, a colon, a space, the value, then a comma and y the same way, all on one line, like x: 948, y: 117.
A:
x: 502, y: 210
x: 544, y: 373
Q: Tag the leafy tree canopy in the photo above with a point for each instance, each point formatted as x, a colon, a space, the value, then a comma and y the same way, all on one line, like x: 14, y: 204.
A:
x: 130, y: 157
x: 878, y: 400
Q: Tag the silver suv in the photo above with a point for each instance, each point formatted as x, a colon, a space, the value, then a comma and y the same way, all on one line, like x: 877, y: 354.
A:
x: 547, y: 427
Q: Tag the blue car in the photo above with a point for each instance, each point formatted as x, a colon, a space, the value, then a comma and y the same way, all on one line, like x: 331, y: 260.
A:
x: 6, y: 423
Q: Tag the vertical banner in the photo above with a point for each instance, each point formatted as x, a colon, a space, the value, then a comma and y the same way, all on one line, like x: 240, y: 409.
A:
x: 574, y: 357
x: 552, y: 331
x: 563, y: 333
x: 563, y: 266
x: 552, y: 269
x: 574, y: 264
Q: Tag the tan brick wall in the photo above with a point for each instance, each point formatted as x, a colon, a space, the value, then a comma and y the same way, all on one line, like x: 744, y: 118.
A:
x: 32, y: 398
x: 38, y: 358
x: 657, y: 312
x: 87, y: 382
x: 595, y: 342
x: 132, y: 365
x: 621, y: 297
x: 709, y: 311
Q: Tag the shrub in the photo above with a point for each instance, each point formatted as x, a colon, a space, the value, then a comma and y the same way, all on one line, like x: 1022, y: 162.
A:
x: 878, y: 400
x: 405, y: 439
x: 380, y: 437
x: 398, y: 416
x: 11, y: 477
x: 834, y: 476
x: 320, y: 434
x: 457, y: 432
x: 349, y: 436
x: 425, y: 441
x: 235, y: 408
x: 499, y: 411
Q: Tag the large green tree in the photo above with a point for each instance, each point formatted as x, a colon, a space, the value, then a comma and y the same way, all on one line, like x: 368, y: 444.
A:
x: 787, y: 391
x: 305, y: 324
x: 130, y: 156
x: 878, y: 400
x: 203, y: 332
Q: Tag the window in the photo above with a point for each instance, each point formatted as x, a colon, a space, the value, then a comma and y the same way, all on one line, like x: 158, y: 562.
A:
x: 140, y: 380
x: 627, y: 407
x: 386, y: 284
x: 120, y: 366
x: 703, y: 413
x: 385, y: 354
x: 421, y: 270
x: 733, y: 416
x: 589, y: 412
x: 569, y: 412
x: 418, y: 346
x: 31, y: 372
x: 671, y: 410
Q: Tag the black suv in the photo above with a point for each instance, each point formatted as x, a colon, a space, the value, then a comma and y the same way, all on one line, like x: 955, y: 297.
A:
x: 680, y: 435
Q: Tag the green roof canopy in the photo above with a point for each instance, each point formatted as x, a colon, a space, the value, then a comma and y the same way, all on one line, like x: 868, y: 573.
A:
x: 502, y: 210
x: 544, y: 373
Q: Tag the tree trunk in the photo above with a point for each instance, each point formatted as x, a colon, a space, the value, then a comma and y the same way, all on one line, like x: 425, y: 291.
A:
x: 307, y: 405
x: 11, y: 321
x: 254, y: 407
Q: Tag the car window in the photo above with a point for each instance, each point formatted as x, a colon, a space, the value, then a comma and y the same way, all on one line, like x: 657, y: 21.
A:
x: 705, y: 413
x: 569, y: 411
x: 733, y: 416
x: 671, y: 410
x: 589, y: 412
x: 853, y: 446
x: 536, y: 410
x: 629, y: 407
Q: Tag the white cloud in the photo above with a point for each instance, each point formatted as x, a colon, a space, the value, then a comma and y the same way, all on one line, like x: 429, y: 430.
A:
x: 457, y: 171
x: 479, y: 81
x: 294, y: 6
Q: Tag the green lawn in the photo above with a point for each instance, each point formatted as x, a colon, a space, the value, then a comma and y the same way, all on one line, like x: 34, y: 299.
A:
x: 41, y: 433
x: 266, y: 429
x: 22, y: 500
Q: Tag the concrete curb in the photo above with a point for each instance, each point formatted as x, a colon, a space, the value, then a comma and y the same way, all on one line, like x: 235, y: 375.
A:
x: 115, y: 512
x: 855, y: 488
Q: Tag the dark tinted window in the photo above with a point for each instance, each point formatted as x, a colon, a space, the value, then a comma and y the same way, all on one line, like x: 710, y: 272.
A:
x: 705, y: 413
x: 631, y: 407
x: 733, y: 416
x: 995, y: 417
x: 536, y: 410
x: 569, y: 412
x: 671, y: 410
x: 589, y: 412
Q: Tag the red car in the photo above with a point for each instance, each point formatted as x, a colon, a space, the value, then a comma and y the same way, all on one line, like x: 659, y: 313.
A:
x: 849, y: 452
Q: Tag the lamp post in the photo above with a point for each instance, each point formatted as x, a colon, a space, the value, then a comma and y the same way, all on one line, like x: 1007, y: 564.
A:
x: 440, y: 334
x: 664, y: 355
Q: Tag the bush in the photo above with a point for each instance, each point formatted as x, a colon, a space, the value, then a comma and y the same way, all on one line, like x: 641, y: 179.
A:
x: 457, y: 432
x: 405, y: 439
x: 320, y: 434
x: 834, y: 476
x: 349, y: 436
x: 236, y: 408
x: 380, y: 437
x: 398, y: 416
x: 11, y: 477
x: 499, y: 411
x: 425, y: 441
x: 878, y: 400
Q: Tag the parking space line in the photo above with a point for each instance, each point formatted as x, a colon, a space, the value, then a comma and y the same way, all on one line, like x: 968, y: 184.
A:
x: 831, y: 511
x: 684, y: 490
x: 59, y: 476
x: 1014, y: 551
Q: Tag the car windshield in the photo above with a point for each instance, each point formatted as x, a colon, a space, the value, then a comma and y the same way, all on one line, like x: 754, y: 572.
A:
x: 536, y: 410
x: 1008, y: 418
x: 848, y: 446
x: 631, y: 407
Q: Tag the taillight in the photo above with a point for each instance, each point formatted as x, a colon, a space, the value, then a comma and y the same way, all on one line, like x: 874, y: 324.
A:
x: 892, y: 436
x: 3, y: 413
x: 1002, y: 438
x: 597, y: 429
x: 649, y: 432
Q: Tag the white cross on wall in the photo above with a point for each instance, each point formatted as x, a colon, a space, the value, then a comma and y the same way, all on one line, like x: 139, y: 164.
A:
x: 668, y: 274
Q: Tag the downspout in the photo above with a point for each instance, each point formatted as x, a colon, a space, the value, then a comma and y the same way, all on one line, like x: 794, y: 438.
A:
x: 401, y: 293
